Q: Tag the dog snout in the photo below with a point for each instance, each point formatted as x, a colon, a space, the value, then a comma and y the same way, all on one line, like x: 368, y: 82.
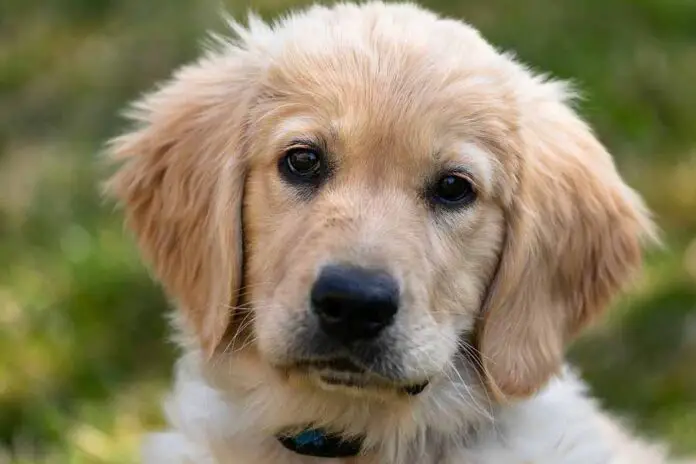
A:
x: 354, y: 303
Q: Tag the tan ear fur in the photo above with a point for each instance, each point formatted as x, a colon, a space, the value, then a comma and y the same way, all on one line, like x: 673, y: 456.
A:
x: 181, y: 180
x: 573, y: 238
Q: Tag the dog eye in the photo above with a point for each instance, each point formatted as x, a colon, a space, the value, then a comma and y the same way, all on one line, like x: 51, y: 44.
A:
x: 454, y: 190
x: 302, y: 164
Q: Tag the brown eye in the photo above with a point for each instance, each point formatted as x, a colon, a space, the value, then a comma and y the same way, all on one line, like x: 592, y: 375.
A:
x: 454, y: 190
x: 302, y: 165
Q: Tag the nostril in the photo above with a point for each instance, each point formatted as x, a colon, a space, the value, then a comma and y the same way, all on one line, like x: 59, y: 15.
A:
x: 332, y: 309
x: 382, y: 312
x: 353, y: 303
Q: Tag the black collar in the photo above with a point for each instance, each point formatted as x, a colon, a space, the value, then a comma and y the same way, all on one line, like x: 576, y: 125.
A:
x: 319, y: 443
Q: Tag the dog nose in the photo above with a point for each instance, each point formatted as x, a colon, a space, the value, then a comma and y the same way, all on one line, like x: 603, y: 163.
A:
x: 354, y: 303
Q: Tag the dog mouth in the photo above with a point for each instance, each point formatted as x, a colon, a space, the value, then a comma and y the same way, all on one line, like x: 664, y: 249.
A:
x: 363, y: 383
x: 344, y: 373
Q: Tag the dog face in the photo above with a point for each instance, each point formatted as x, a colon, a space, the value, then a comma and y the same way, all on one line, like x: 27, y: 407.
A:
x: 373, y: 225
x: 364, y: 192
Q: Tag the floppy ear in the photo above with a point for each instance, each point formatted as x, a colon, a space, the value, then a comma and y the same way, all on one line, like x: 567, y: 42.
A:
x: 181, y: 180
x: 573, y: 238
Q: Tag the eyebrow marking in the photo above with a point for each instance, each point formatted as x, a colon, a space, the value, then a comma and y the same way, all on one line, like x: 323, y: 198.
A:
x: 306, y: 141
x: 295, y: 125
x: 474, y: 162
x: 333, y: 129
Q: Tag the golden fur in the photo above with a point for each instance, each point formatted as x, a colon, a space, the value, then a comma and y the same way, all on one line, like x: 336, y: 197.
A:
x: 395, y: 95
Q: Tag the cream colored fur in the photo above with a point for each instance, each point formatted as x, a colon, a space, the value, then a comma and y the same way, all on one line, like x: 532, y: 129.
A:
x: 492, y: 294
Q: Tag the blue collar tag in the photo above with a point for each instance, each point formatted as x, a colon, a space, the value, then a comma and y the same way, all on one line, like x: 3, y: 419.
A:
x: 318, y: 443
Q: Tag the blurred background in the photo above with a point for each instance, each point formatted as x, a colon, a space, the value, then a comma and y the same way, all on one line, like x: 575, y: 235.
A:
x: 84, y: 355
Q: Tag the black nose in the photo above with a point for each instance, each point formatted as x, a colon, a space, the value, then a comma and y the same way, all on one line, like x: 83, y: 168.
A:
x: 353, y: 303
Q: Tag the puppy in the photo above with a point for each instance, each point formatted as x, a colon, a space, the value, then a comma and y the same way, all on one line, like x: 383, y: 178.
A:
x: 380, y: 234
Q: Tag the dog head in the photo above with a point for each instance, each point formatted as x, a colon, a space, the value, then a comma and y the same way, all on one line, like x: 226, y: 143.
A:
x: 362, y: 193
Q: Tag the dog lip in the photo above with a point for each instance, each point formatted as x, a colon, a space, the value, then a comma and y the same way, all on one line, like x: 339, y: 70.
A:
x: 346, y: 381
x: 347, y: 373
x: 363, y: 382
x: 334, y: 364
x: 417, y: 389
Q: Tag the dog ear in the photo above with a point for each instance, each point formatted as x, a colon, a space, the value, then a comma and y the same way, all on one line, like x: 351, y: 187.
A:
x: 181, y: 178
x: 573, y: 238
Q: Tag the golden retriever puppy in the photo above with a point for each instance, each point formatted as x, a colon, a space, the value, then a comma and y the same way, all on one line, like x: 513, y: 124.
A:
x: 380, y: 234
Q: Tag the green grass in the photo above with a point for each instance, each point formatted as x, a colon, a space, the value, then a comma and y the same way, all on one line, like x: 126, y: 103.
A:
x: 84, y: 356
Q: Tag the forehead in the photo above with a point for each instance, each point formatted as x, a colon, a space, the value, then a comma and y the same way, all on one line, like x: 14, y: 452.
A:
x: 398, y: 106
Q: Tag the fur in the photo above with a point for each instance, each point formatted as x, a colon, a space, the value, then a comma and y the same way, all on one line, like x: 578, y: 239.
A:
x: 491, y: 294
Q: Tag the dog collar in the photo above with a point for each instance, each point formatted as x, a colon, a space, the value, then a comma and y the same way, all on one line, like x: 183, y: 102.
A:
x: 319, y: 443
